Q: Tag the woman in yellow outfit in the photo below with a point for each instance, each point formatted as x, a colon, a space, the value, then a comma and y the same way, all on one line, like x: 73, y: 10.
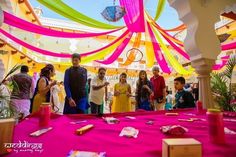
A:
x: 42, y: 91
x: 122, y: 93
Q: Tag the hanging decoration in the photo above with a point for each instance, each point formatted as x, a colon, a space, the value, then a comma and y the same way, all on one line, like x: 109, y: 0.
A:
x: 160, y: 8
x: 150, y: 57
x: 61, y: 8
x: 30, y: 27
x: 102, y: 54
x: 137, y: 53
x: 134, y: 17
x: 172, y: 60
x: 113, y: 13
x: 55, y: 54
x: 133, y: 52
x: 117, y: 52
x: 178, y: 28
x: 224, y: 61
x: 157, y: 51
x: 162, y: 31
x: 228, y: 46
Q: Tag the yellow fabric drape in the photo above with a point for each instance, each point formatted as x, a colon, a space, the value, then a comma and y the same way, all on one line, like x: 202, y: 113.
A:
x: 100, y: 55
x: 149, y: 49
x: 172, y: 60
x: 160, y: 8
x: 63, y: 9
x: 132, y: 54
x: 232, y: 34
x: 152, y: 22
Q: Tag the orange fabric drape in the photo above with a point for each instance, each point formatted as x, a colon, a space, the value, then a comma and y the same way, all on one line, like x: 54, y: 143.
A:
x: 132, y: 54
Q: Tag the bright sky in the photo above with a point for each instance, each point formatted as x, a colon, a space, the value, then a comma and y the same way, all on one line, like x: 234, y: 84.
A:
x: 168, y: 19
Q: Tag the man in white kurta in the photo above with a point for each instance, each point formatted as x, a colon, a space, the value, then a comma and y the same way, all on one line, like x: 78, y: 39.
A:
x: 98, y: 89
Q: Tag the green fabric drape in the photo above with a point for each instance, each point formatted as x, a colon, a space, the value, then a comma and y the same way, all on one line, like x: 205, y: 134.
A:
x: 160, y: 8
x: 61, y: 8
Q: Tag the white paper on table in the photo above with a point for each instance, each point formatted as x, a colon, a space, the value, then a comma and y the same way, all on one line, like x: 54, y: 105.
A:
x: 228, y: 131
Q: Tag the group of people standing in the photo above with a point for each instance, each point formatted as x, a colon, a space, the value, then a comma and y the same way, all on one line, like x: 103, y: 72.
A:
x: 149, y: 94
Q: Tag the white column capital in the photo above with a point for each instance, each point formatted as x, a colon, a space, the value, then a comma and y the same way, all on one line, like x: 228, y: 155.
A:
x: 201, y: 42
x: 200, y: 17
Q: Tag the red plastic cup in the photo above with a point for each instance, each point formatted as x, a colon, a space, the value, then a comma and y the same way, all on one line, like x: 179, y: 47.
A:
x: 216, y: 126
x: 44, y: 115
x: 199, y: 106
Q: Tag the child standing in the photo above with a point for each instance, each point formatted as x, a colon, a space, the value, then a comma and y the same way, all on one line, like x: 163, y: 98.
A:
x: 169, y: 100
x: 183, y: 98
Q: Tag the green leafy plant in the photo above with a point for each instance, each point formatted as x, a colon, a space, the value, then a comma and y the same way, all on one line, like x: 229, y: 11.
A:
x: 221, y: 86
x: 12, y: 71
x: 5, y: 110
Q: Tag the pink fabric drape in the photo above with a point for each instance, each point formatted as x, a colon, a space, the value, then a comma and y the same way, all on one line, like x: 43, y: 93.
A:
x: 117, y: 52
x: 219, y: 66
x: 55, y: 54
x: 134, y: 17
x: 224, y: 62
x: 229, y: 46
x: 166, y: 33
x: 157, y: 50
x: 179, y: 50
x: 27, y: 26
x: 225, y: 57
x: 182, y: 52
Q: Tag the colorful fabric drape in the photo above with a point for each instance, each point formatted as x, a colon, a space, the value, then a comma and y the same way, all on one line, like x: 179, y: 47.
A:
x: 224, y: 62
x: 27, y: 26
x: 172, y: 38
x: 61, y: 8
x: 132, y: 54
x: 160, y: 8
x: 232, y: 34
x: 54, y: 54
x: 178, y: 49
x: 178, y: 28
x: 164, y: 33
x: 150, y: 57
x: 219, y: 66
x: 33, y: 48
x: 157, y: 51
x: 169, y: 39
x: 117, y: 52
x: 102, y: 54
x: 172, y: 60
x: 229, y: 46
x: 134, y: 17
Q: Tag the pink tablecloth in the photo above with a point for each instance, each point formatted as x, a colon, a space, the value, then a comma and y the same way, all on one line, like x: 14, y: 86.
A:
x: 105, y: 138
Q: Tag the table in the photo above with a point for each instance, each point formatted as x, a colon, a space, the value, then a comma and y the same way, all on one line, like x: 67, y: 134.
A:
x: 104, y: 137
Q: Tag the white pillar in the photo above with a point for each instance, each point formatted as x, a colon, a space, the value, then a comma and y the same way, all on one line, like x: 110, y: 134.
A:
x: 201, y: 41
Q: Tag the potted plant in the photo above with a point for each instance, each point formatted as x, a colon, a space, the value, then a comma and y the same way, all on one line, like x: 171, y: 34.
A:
x: 7, y: 120
x: 221, y: 86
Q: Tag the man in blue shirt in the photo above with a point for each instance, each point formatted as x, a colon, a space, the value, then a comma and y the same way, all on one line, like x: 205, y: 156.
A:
x: 75, y: 81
